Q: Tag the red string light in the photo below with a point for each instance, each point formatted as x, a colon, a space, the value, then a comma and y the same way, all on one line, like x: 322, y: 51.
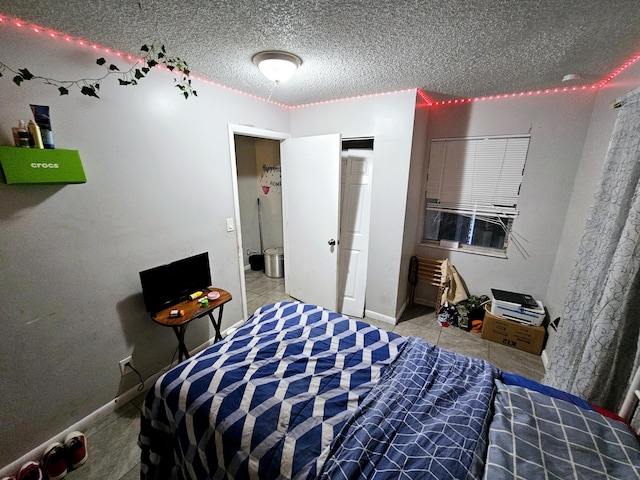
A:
x: 424, y: 96
x: 548, y: 90
x: 69, y: 39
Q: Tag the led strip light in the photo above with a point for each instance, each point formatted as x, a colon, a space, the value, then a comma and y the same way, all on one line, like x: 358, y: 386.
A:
x: 4, y: 20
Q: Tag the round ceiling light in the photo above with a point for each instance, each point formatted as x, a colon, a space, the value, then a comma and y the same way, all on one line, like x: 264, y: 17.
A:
x: 277, y: 66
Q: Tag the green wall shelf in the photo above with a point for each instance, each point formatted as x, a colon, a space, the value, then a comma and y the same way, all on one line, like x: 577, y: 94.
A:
x: 35, y: 165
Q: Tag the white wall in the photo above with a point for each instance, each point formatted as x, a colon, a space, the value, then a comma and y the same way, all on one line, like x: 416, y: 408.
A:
x: 558, y: 125
x: 268, y: 155
x: 247, y: 178
x: 159, y: 188
x: 414, y: 199
x: 389, y: 119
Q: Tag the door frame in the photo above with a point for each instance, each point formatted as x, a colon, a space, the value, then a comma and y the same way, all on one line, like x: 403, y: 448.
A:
x: 235, y: 129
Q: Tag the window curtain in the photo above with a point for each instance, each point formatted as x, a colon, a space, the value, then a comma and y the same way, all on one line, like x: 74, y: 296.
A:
x: 597, y: 348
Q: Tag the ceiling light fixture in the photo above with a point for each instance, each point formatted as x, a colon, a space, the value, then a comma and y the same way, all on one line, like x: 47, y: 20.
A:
x: 277, y: 66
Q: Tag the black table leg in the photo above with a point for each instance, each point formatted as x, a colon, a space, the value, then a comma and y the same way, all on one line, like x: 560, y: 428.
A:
x: 182, y: 348
x: 216, y: 325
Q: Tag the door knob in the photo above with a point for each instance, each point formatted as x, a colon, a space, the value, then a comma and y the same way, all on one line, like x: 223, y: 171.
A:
x: 332, y: 242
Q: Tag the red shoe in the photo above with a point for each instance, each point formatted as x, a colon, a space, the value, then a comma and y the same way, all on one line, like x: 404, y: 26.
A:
x: 30, y: 471
x: 54, y: 461
x: 76, y: 445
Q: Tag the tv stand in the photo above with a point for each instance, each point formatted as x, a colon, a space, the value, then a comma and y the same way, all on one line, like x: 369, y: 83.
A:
x: 192, y: 310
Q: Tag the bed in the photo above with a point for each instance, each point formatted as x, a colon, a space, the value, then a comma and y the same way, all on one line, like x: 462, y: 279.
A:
x: 301, y: 392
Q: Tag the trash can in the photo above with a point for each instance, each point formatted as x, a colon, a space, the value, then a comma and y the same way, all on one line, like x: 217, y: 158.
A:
x: 274, y: 262
x: 256, y: 262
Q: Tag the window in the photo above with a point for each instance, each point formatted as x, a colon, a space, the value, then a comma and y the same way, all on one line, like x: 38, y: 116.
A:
x: 472, y: 191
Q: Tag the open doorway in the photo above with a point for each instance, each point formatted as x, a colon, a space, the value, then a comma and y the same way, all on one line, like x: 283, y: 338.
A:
x: 260, y: 207
x: 248, y: 172
x: 255, y: 155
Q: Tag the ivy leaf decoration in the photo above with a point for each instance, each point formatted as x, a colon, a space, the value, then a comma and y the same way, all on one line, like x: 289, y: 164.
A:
x: 89, y: 91
x: 25, y: 74
x: 152, y: 56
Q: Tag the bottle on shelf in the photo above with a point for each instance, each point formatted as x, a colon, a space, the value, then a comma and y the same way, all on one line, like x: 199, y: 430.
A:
x: 36, y: 137
x: 23, y: 134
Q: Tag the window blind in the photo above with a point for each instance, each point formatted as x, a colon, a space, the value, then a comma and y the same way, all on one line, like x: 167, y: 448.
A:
x: 479, y: 176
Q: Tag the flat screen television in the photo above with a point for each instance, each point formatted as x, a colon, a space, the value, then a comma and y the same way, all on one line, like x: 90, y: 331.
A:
x: 169, y: 284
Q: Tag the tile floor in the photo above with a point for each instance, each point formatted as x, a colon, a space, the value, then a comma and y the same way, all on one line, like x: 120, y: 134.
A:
x: 112, y: 442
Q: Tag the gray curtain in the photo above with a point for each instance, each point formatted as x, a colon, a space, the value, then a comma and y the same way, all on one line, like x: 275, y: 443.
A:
x: 597, y: 348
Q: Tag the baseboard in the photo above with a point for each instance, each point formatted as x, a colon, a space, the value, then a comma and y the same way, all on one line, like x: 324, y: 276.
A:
x: 545, y: 359
x: 402, y: 309
x: 380, y: 317
x: 104, y: 411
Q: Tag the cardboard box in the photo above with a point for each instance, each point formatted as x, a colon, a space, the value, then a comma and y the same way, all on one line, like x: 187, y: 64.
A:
x: 35, y: 165
x: 512, y: 334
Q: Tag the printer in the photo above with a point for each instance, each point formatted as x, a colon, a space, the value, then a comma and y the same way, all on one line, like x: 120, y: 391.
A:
x: 518, y: 307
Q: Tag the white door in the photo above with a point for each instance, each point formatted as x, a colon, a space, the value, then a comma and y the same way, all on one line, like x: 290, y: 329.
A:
x: 311, y: 217
x: 354, y: 230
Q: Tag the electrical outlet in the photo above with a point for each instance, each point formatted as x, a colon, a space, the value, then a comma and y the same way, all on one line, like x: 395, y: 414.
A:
x: 126, y: 365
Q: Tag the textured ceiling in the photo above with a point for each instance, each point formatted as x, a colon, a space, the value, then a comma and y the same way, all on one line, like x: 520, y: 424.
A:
x: 449, y: 48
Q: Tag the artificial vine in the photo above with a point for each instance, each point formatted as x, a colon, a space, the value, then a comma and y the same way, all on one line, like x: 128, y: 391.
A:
x: 151, y: 57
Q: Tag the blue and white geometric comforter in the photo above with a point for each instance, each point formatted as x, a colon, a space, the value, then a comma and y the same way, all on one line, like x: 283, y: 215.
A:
x: 303, y: 392
x: 267, y: 401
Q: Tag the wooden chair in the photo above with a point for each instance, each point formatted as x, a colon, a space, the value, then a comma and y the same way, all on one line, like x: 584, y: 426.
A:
x: 429, y: 271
